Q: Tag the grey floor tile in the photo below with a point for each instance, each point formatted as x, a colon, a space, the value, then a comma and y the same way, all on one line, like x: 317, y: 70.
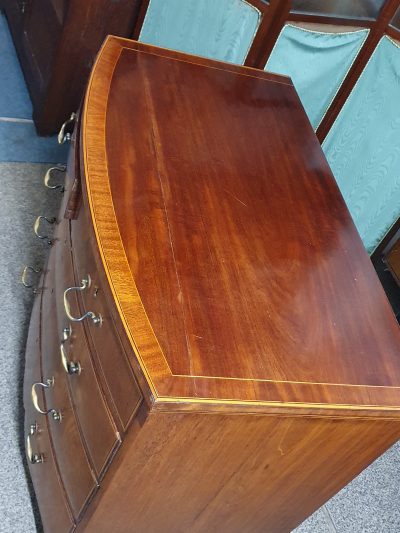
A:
x: 319, y: 522
x: 22, y: 197
x: 371, y: 502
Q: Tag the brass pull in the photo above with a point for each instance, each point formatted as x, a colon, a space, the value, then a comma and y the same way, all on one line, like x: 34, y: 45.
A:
x: 64, y: 135
x: 48, y: 176
x: 85, y: 284
x: 24, y: 276
x: 70, y: 367
x: 37, y: 225
x: 56, y: 415
x: 33, y: 458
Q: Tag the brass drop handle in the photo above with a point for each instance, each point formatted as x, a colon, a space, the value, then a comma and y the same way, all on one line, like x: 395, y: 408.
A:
x: 49, y: 174
x: 36, y: 227
x: 56, y: 415
x: 70, y: 367
x: 85, y: 284
x: 24, y: 277
x: 33, y: 458
x: 64, y: 135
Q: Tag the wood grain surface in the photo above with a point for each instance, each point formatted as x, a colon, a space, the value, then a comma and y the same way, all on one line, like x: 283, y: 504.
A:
x: 392, y: 259
x: 55, y: 67
x: 113, y: 362
x: 226, y: 265
x: 74, y: 464
x: 46, y: 481
x: 191, y: 473
x: 234, y: 263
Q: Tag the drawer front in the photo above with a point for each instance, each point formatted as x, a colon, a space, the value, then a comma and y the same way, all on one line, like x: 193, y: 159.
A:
x: 32, y: 358
x: 52, y: 502
x: 49, y: 491
x: 111, y: 356
x: 99, y: 432
x: 75, y: 470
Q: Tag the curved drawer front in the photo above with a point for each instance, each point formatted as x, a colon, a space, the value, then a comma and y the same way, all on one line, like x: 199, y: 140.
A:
x: 50, y: 494
x: 53, y: 505
x: 75, y: 362
x: 32, y: 357
x: 111, y: 355
x: 75, y: 469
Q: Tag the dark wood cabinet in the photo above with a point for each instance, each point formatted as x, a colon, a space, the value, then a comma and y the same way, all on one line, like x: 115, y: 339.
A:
x: 391, y: 256
x: 57, y: 41
x: 203, y: 327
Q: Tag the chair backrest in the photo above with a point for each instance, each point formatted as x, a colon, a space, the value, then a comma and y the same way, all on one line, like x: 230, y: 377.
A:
x: 218, y: 29
x: 317, y: 62
x: 363, y: 146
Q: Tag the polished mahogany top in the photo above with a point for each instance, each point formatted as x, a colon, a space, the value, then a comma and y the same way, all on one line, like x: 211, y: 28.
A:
x: 236, y: 268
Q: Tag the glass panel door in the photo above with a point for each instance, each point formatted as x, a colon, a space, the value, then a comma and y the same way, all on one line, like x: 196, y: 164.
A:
x: 352, y: 9
x: 396, y: 20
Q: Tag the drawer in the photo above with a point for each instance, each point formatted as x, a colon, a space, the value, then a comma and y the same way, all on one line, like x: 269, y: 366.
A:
x: 32, y: 350
x: 74, y: 359
x: 53, y: 506
x: 50, y: 493
x: 74, y: 467
x: 111, y: 355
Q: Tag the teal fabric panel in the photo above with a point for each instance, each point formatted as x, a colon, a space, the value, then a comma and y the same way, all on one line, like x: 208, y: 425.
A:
x: 218, y: 29
x: 363, y: 146
x: 317, y: 63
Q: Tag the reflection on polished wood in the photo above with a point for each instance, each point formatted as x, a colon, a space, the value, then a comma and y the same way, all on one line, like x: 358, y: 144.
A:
x: 247, y: 356
x: 235, y: 240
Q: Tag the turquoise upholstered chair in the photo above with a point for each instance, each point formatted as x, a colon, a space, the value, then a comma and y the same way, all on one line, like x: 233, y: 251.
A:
x: 363, y: 146
x: 218, y: 29
x: 317, y: 62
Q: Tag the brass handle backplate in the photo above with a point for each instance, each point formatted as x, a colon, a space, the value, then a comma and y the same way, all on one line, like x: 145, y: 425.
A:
x: 24, y: 277
x: 65, y: 135
x: 85, y: 284
x: 33, y: 458
x: 36, y: 227
x: 56, y: 415
x: 70, y: 367
x: 49, y: 174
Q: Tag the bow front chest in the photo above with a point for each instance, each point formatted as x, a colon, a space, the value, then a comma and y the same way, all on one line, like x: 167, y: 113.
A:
x: 210, y: 349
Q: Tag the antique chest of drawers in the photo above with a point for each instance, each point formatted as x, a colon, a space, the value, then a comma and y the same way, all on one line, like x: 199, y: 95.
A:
x: 210, y: 349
